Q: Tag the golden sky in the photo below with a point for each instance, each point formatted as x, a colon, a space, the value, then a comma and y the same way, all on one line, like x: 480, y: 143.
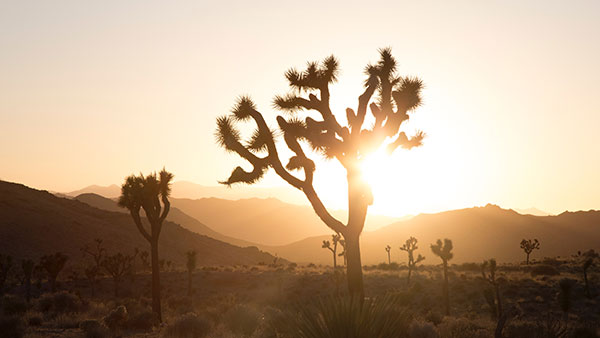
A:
x: 93, y: 91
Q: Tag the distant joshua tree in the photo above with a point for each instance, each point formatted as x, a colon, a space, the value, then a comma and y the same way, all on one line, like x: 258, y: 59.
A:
x: 6, y: 264
x: 528, y: 246
x: 349, y: 144
x: 443, y: 250
x: 333, y: 248
x: 27, y: 266
x: 53, y: 265
x: 586, y: 260
x: 94, y: 270
x: 139, y: 192
x: 388, y: 249
x: 491, y: 279
x: 410, y: 247
x: 117, y: 266
x: 343, y: 253
x: 191, y: 266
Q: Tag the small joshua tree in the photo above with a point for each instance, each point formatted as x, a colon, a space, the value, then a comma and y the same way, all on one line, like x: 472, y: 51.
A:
x: 444, y: 251
x: 27, y: 266
x: 117, y: 266
x: 191, y: 266
x: 586, y: 260
x: 333, y: 248
x: 94, y: 270
x: 147, y: 192
x: 388, y: 249
x: 528, y: 246
x: 410, y: 247
x: 389, y: 97
x: 491, y: 279
x: 6, y: 264
x: 53, y: 265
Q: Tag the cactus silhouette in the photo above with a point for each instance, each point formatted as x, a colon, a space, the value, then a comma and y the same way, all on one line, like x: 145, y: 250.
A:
x: 528, y: 246
x: 53, y: 265
x: 191, y: 266
x: 349, y: 144
x: 444, y: 251
x: 27, y: 266
x: 388, y: 249
x: 335, y: 239
x: 117, y: 266
x: 491, y: 279
x: 586, y: 260
x: 410, y: 246
x: 147, y: 193
x: 94, y: 270
x: 6, y: 264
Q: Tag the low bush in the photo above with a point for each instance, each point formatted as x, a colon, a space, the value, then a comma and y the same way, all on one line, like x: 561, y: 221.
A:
x: 13, y: 305
x: 59, y: 302
x: 188, y: 325
x: 420, y: 329
x: 142, y: 321
x: 94, y: 329
x: 543, y: 270
x: 242, y: 319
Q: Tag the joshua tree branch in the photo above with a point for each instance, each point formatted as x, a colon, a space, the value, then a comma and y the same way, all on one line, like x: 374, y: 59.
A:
x: 321, y: 211
x: 135, y: 214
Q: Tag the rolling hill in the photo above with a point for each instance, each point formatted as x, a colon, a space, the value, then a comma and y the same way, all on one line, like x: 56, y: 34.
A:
x: 478, y: 233
x: 34, y: 222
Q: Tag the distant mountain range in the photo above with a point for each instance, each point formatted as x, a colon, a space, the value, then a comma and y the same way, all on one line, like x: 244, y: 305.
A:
x: 34, y: 222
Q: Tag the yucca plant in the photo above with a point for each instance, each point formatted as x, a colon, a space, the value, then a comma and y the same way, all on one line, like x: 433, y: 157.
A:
x: 147, y: 193
x: 349, y: 317
x: 389, y: 97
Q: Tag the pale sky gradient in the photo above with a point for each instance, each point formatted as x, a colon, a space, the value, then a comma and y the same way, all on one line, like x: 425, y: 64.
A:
x: 93, y: 91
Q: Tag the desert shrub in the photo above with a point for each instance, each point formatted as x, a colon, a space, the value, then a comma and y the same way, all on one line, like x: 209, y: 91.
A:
x: 242, y: 319
x: 543, y: 270
x: 389, y: 267
x: 64, y: 321
x: 461, y: 328
x: 344, y: 317
x: 11, y: 327
x: 116, y: 318
x: 35, y: 319
x: 59, y: 302
x: 94, y: 329
x: 188, y: 325
x: 420, y: 329
x: 144, y: 320
x: 13, y: 305
x: 467, y: 267
x: 180, y: 305
x: 434, y: 317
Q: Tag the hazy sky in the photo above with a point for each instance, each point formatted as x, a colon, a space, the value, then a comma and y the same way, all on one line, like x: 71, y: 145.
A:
x: 93, y: 91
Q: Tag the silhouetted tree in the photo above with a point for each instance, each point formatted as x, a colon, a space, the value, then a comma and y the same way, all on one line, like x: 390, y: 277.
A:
x: 349, y: 144
x: 27, y: 266
x: 528, y: 246
x: 144, y: 258
x: 335, y: 239
x: 139, y: 192
x: 444, y: 251
x: 6, y: 264
x: 388, y: 249
x: 94, y: 270
x: 117, y: 266
x: 491, y: 279
x: 410, y: 246
x: 191, y: 266
x: 53, y: 265
x: 586, y: 260
x: 564, y: 295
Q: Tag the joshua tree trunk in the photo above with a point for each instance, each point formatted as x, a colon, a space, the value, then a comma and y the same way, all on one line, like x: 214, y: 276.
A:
x: 52, y: 284
x: 116, y: 289
x: 408, y: 278
x: 155, y: 278
x: 527, y: 261
x: 587, y: 286
x: 28, y: 289
x: 334, y: 261
x: 498, y: 301
x: 445, y: 290
x: 354, y: 267
x: 389, y: 259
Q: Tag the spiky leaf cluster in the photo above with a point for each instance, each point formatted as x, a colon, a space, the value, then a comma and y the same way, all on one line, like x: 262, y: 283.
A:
x: 529, y: 245
x: 443, y: 249
x: 410, y: 246
x: 388, y: 97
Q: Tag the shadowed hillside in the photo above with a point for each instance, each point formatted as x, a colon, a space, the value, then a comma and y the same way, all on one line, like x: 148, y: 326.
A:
x: 478, y: 233
x: 33, y: 223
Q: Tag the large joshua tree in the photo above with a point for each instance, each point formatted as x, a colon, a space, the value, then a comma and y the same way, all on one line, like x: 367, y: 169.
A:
x: 147, y: 192
x: 389, y: 98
